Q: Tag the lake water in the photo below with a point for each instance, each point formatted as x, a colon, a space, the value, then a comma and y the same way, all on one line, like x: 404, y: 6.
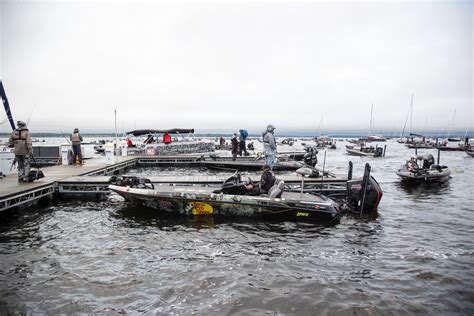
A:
x: 416, y: 257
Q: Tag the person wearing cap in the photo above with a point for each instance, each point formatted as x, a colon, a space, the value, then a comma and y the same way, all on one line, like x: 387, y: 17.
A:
x: 20, y: 139
x: 76, y: 140
x: 267, y: 180
x: 235, y: 146
x: 269, y: 146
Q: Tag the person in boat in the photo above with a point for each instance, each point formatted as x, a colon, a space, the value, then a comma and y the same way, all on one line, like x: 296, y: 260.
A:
x: 149, y: 139
x: 267, y: 180
x: 235, y: 146
x: 76, y: 139
x: 222, y: 141
x: 20, y: 139
x: 269, y: 146
x: 411, y: 164
x: 166, y: 138
x: 243, y: 134
x: 250, y: 146
x: 130, y: 143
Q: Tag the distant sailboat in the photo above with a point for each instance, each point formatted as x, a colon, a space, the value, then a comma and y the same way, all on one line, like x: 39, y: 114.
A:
x: 373, y: 137
x: 452, y: 138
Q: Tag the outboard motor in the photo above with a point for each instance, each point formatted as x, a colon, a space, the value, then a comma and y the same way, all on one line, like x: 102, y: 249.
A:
x: 378, y: 152
x: 360, y: 201
x: 428, y: 161
x: 311, y: 157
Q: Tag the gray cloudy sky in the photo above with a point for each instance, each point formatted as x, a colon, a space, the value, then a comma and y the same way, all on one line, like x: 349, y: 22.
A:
x: 231, y: 65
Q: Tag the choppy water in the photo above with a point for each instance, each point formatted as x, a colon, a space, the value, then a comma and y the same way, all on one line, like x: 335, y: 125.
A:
x: 417, y: 257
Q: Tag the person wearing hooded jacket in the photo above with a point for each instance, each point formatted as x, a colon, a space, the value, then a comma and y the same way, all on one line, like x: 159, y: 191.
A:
x: 269, y: 146
x: 235, y: 146
x: 20, y: 139
x: 76, y: 140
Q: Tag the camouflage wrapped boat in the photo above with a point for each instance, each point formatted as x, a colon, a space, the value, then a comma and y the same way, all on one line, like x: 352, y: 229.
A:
x: 200, y: 200
x: 363, y: 196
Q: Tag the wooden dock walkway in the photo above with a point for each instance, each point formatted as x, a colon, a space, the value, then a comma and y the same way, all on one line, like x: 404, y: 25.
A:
x: 13, y: 194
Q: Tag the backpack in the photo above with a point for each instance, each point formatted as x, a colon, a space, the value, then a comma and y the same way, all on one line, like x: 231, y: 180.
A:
x: 244, y: 133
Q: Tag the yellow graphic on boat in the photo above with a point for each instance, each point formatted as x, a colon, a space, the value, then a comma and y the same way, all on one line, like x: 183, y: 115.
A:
x: 302, y: 214
x: 200, y: 208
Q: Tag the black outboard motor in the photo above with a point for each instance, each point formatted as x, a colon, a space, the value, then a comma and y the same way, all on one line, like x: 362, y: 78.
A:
x: 359, y: 201
x: 428, y: 161
x: 311, y: 156
x: 378, y: 152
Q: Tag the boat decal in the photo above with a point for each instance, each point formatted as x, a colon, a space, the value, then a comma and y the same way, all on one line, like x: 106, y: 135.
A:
x: 199, y: 208
x: 302, y: 214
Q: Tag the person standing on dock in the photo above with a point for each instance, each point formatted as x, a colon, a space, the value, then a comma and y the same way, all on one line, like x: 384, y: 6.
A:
x: 235, y: 146
x: 76, y: 140
x: 242, y: 138
x: 20, y: 139
x: 269, y: 146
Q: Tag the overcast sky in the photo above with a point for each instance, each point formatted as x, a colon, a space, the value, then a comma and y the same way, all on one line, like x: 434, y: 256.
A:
x: 237, y: 65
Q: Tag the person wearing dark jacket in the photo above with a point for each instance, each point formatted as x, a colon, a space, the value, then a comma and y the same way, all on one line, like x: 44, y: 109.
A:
x: 242, y: 138
x: 20, y: 139
x: 267, y: 180
x: 235, y: 146
x: 76, y: 140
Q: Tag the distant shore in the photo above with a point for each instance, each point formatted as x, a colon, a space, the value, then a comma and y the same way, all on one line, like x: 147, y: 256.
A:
x: 335, y: 134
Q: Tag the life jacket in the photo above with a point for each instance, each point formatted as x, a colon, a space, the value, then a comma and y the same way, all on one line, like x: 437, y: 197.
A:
x: 20, y: 136
x: 20, y: 141
x: 166, y: 138
x: 75, y: 138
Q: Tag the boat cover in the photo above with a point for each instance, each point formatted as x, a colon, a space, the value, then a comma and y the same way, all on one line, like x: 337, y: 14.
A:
x: 139, y: 132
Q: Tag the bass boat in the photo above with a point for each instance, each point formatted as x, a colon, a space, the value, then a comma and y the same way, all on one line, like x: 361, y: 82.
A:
x: 423, y: 170
x: 231, y: 199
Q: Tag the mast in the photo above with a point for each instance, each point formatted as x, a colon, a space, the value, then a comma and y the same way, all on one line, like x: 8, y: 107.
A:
x: 116, y: 137
x: 371, y: 112
x: 411, y: 114
x: 405, y: 125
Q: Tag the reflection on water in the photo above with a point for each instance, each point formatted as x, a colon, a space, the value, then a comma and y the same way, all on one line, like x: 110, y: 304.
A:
x: 109, y: 257
x: 424, y: 190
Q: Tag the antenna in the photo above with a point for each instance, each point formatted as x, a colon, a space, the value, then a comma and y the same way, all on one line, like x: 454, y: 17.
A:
x: 116, y: 137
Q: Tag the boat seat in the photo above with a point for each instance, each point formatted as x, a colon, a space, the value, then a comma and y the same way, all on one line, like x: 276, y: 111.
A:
x: 277, y: 189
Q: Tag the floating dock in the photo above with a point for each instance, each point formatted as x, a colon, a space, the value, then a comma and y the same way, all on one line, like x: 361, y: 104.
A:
x: 14, y: 194
x: 94, y: 178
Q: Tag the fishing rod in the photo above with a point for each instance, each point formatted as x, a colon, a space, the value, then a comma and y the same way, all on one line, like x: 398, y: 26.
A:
x: 64, y: 135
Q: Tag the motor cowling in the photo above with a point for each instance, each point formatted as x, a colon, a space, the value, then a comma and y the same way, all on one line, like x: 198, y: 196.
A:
x: 378, y: 152
x: 372, y: 198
